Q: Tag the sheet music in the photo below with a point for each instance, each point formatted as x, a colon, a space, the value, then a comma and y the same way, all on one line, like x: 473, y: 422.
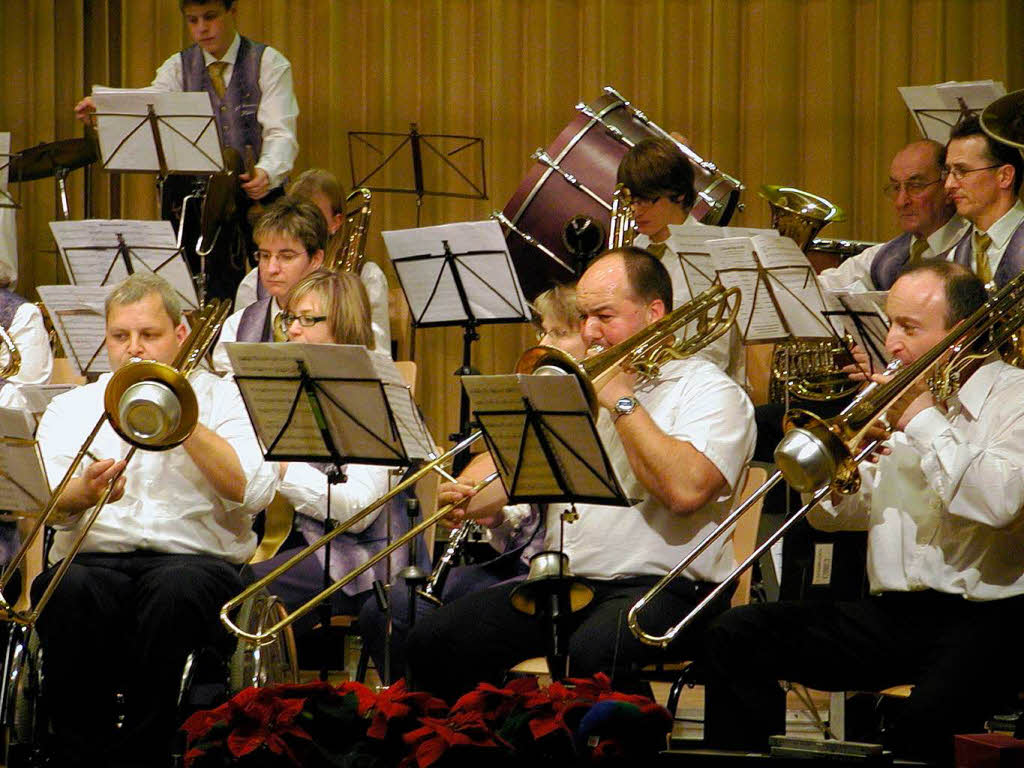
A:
x: 185, y: 126
x: 484, y: 266
x: 359, y: 409
x: 24, y: 489
x: 88, y: 249
x: 780, y: 296
x: 79, y: 318
x: 936, y: 109
x: 567, y: 429
x: 863, y: 318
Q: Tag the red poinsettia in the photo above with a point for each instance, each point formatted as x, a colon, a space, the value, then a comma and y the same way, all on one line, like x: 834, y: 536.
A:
x: 397, y: 702
x: 437, y: 736
x: 494, y: 703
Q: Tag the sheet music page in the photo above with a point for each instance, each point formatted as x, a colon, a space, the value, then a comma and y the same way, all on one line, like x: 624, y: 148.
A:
x: 489, y: 396
x: 737, y: 267
x: 16, y: 423
x: 693, y: 257
x: 794, y: 286
x: 24, y: 489
x: 79, y: 319
x: 126, y: 136
x: 935, y: 108
x: 490, y: 281
x: 416, y: 438
x: 749, y: 232
x: 863, y: 317
x: 88, y: 249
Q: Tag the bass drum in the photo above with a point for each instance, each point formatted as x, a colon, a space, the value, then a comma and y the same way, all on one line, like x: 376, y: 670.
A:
x: 558, y: 217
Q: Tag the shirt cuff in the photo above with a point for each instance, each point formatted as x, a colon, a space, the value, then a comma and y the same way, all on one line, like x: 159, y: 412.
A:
x: 925, y: 427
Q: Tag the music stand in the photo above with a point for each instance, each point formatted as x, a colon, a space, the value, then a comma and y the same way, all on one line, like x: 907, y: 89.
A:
x: 334, y: 404
x: 24, y: 489
x: 457, y: 274
x: 79, y: 318
x: 937, y: 108
x: 473, y: 179
x: 546, y: 448
x: 106, y: 251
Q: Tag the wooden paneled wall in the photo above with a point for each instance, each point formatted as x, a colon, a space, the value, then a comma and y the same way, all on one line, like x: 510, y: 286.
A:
x: 801, y: 92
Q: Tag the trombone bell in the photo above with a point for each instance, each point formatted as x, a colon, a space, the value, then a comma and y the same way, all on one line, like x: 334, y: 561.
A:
x: 151, y: 405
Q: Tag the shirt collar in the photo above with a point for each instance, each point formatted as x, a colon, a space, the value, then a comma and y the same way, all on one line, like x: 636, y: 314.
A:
x: 975, y: 391
x: 946, y: 236
x: 229, y: 57
x: 1007, y: 224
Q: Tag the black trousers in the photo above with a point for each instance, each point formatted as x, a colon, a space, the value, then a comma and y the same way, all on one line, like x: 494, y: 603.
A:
x: 125, y: 623
x: 480, y: 636
x: 963, y: 658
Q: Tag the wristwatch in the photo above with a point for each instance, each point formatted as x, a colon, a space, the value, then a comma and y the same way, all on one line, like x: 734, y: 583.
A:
x: 624, y: 406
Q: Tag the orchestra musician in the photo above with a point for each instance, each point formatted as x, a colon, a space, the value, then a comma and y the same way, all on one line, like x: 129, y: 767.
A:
x: 517, y: 536
x: 661, y: 184
x: 983, y: 178
x: 941, y: 506
x: 23, y: 322
x: 323, y: 188
x: 331, y: 308
x: 924, y: 213
x: 290, y: 238
x: 683, y: 440
x: 250, y: 87
x: 163, y: 555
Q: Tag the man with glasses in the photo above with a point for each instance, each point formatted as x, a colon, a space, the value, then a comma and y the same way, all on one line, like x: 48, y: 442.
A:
x: 924, y: 213
x: 290, y: 239
x: 983, y: 181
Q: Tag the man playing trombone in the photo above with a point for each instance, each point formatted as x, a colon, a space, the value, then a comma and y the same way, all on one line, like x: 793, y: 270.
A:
x: 680, y: 442
x: 162, y: 556
x: 941, y: 504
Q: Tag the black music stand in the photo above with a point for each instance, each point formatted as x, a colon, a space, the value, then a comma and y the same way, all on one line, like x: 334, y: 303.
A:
x: 305, y: 409
x: 458, y: 274
x: 546, y: 448
x: 469, y: 182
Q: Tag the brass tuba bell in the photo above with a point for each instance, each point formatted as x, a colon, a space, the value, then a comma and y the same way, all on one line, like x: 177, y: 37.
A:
x: 1003, y: 120
x: 799, y: 215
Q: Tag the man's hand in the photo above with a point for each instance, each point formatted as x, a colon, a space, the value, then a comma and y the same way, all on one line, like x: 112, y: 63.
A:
x: 257, y: 185
x: 619, y: 386
x: 84, y: 110
x: 84, y: 491
x: 454, y: 493
x: 861, y: 363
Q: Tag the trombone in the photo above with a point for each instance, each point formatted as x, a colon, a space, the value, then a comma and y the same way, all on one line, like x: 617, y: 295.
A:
x: 151, y: 406
x: 822, y: 455
x: 644, y: 352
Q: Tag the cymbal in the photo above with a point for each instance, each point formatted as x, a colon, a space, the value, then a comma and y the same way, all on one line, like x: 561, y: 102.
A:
x: 42, y: 160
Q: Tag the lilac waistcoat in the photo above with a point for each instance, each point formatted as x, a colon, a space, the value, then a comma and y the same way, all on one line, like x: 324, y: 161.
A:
x: 254, y: 324
x: 236, y: 112
x: 890, y: 260
x: 1010, y: 265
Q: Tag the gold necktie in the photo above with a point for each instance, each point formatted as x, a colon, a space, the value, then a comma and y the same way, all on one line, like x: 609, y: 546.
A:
x: 658, y: 249
x: 216, y: 70
x: 981, y: 265
x: 917, y: 250
x: 279, y: 334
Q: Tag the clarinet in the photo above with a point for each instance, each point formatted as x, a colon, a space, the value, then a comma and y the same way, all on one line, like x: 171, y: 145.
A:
x: 431, y: 591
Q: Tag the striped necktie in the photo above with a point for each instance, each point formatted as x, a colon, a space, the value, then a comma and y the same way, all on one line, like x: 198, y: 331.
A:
x: 216, y: 70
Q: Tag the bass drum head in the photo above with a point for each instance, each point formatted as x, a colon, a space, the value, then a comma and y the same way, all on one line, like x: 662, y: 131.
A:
x: 564, y: 217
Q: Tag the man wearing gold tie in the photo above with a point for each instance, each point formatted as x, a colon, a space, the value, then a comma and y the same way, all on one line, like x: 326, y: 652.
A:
x: 983, y: 178
x: 927, y: 218
x: 290, y: 239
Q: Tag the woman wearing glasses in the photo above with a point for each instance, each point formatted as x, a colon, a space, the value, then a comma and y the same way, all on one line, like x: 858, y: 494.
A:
x: 329, y: 308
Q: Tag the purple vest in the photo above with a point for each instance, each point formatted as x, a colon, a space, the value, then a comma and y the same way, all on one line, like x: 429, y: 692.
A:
x: 254, y: 324
x: 890, y: 260
x: 236, y: 112
x: 1010, y: 265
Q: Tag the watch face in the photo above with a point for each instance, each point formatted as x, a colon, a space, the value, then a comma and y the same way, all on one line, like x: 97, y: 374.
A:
x: 625, y: 405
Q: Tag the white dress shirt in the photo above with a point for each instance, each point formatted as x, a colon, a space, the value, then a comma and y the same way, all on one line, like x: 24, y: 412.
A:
x: 376, y: 285
x: 229, y: 332
x: 29, y: 335
x: 305, y: 487
x: 692, y: 401
x: 277, y: 111
x: 1001, y: 232
x: 942, y: 510
x: 854, y: 273
x: 168, y: 504
x: 726, y: 352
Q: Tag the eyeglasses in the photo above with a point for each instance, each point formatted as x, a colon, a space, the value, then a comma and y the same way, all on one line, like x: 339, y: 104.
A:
x: 912, y: 188
x: 285, y: 320
x: 284, y: 257
x: 958, y: 173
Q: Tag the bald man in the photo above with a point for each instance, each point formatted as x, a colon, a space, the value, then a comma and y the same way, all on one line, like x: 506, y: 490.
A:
x: 927, y: 218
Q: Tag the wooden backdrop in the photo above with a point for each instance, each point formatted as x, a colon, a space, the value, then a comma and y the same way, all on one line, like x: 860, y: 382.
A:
x: 801, y: 92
